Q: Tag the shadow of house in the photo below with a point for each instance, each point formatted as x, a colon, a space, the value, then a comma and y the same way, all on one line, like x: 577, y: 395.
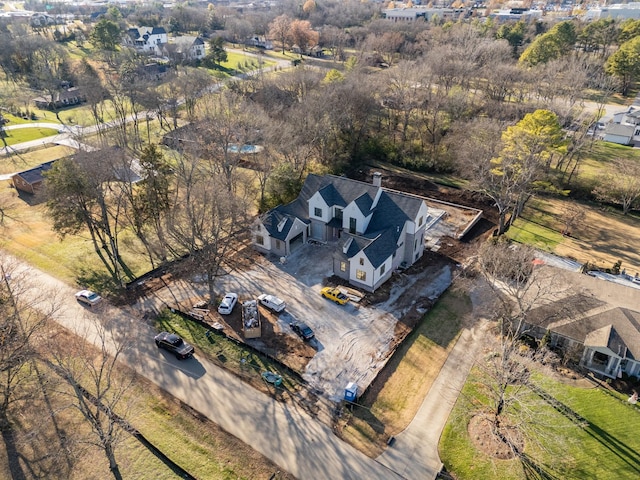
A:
x: 30, y: 181
x: 65, y: 98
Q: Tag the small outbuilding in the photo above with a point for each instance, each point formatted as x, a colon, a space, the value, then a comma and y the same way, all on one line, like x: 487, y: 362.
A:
x: 30, y: 181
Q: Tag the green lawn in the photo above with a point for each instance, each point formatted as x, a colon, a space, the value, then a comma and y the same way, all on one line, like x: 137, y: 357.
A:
x: 609, y: 447
x: 20, y: 135
x: 218, y: 348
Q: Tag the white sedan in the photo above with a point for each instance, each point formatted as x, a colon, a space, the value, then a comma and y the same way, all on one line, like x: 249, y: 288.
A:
x: 88, y: 297
x: 228, y: 302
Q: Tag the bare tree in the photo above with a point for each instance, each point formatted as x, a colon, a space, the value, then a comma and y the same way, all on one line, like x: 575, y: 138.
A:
x: 206, y: 219
x: 24, y: 318
x: 100, y: 387
x: 279, y: 30
x: 82, y: 192
x: 511, y: 401
x: 622, y: 186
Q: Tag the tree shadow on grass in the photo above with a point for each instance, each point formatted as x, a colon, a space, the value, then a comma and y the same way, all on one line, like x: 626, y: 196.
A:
x: 100, y: 282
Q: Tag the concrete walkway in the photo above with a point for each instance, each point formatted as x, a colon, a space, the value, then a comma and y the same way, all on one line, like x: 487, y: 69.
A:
x: 414, y: 453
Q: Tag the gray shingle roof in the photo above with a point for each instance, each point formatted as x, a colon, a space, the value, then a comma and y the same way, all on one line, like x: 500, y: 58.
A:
x: 34, y: 175
x: 381, y: 248
x: 389, y: 215
x: 617, y: 328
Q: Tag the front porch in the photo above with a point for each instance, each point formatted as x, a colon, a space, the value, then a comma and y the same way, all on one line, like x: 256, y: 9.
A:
x: 604, y: 363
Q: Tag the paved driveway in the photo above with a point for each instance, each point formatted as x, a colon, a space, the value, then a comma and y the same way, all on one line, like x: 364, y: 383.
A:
x: 352, y: 341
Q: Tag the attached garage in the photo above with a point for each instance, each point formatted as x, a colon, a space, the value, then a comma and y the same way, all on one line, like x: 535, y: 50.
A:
x: 317, y: 231
x: 296, y: 242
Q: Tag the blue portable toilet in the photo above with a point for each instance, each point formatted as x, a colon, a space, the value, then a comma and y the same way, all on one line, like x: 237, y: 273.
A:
x: 351, y: 392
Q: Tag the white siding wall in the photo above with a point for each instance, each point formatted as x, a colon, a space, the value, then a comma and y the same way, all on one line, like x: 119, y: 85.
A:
x: 352, y: 211
x: 261, y: 231
x: 388, y: 267
x: 411, y: 227
x: 316, y: 201
x: 366, y: 267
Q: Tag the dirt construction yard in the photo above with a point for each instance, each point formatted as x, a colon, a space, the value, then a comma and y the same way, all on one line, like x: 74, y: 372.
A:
x: 352, y: 342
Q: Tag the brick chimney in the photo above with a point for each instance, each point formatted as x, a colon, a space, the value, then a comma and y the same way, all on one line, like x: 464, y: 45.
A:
x: 377, y: 179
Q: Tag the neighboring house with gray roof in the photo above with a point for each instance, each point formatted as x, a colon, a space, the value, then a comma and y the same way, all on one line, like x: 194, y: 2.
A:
x: 606, y: 338
x: 374, y: 229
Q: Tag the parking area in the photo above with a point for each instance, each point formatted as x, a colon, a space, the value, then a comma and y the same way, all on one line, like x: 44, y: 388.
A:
x: 353, y: 341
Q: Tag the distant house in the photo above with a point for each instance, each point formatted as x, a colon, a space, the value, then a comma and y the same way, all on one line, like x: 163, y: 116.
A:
x: 146, y: 39
x: 260, y: 41
x: 187, y: 47
x: 65, y: 98
x: 153, y: 71
x: 623, y: 128
x: 374, y: 229
x: 30, y: 181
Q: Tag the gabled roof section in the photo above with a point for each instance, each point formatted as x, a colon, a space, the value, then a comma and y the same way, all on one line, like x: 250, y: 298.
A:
x: 278, y: 224
x: 607, y: 337
x: 388, y: 216
x: 364, y: 203
x: 381, y: 248
x: 331, y: 196
x: 617, y: 328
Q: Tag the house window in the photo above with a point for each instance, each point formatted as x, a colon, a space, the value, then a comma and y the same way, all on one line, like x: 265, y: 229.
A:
x: 338, y: 213
x: 259, y: 239
x: 382, y: 269
x: 361, y: 275
x: 362, y: 261
x: 420, y: 221
x: 343, y: 266
x: 317, y: 212
x: 415, y: 244
x: 352, y: 224
x: 278, y: 244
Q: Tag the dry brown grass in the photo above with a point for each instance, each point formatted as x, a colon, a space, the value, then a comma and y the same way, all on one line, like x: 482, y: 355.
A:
x: 397, y: 393
x: 602, y: 238
x: 23, y: 161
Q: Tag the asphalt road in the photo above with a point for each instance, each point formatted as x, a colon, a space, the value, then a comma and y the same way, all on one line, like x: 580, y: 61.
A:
x: 283, y: 432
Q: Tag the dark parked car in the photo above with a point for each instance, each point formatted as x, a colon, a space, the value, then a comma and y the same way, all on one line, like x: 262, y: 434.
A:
x: 303, y: 330
x: 174, y: 344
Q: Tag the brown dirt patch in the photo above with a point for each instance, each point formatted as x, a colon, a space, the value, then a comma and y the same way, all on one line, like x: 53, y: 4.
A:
x: 484, y: 439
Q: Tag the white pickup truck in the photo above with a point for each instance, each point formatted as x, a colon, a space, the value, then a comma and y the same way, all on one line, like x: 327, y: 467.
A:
x: 272, y: 302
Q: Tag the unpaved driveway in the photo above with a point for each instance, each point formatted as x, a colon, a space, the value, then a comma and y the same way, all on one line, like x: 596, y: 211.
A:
x: 353, y: 342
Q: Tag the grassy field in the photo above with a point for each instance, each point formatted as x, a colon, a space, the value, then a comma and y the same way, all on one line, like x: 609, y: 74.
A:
x: 190, y: 440
x: 27, y: 234
x: 607, y: 448
x: 228, y: 354
x: 400, y: 388
x: 20, y: 135
x: 26, y: 160
x: 602, y: 238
